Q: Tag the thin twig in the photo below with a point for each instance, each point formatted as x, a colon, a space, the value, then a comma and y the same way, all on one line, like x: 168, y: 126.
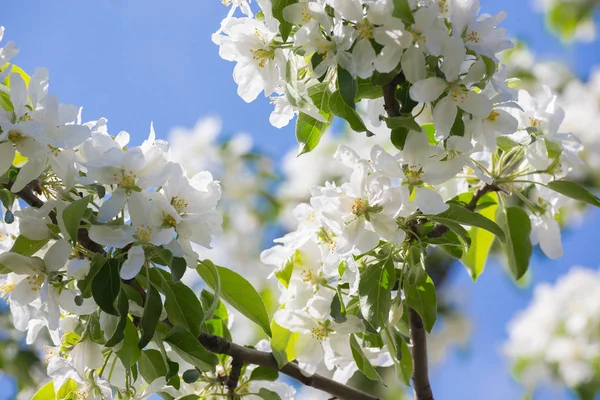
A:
x: 234, y: 377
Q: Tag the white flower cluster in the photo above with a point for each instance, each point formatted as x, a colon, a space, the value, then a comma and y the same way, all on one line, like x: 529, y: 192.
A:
x: 558, y: 336
x: 130, y: 204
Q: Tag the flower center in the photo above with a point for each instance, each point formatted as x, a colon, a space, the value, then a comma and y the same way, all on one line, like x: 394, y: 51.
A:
x: 169, y: 220
x: 143, y: 233
x: 472, y: 37
x: 493, y: 115
x: 179, y: 203
x: 263, y: 56
x: 322, y: 331
x: 535, y: 122
x: 306, y: 15
x: 365, y: 29
x: 360, y: 206
x: 15, y: 135
x: 6, y: 289
x: 443, y: 6
x: 125, y: 178
x: 35, y: 281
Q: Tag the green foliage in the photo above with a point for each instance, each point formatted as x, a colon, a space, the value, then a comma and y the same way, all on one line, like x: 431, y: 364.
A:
x: 347, y: 86
x: 338, y: 106
x: 129, y: 353
x: 375, y: 291
x: 282, y: 344
x: 285, y: 28
x: 362, y: 362
x: 465, y: 217
x: 422, y: 299
x: 517, y: 226
x: 210, y: 270
x: 267, y: 394
x: 151, y: 317
x: 118, y: 334
x: 183, y: 307
x: 264, y: 374
x: 187, y: 346
x: 152, y: 365
x: 106, y: 286
x: 402, y: 11
x: 481, y: 243
x: 240, y: 294
x: 73, y: 214
x: 574, y: 191
x: 308, y: 130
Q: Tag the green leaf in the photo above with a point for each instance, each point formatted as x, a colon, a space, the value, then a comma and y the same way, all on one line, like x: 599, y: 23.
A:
x: 151, y: 317
x: 574, y: 191
x: 402, y: 11
x: 187, y: 346
x: 72, y: 215
x: 181, y: 304
x: 209, y: 268
x: 366, y: 90
x: 178, y: 267
x: 481, y: 243
x: 285, y: 274
x: 129, y: 353
x: 106, y: 286
x: 267, y: 394
x: 517, y: 226
x: 46, y: 392
x: 407, y: 104
x: 400, y: 353
x: 309, y: 132
x: 343, y: 110
x: 337, y: 309
x: 283, y: 342
x: 119, y: 333
x: 362, y: 362
x: 375, y: 291
x: 466, y: 217
x: 398, y: 137
x: 422, y: 299
x: 284, y: 26
x: 6, y: 103
x: 264, y: 374
x: 85, y: 284
x: 240, y: 294
x: 430, y: 131
x: 347, y: 86
x: 152, y: 365
x: 27, y: 247
x: 407, y: 121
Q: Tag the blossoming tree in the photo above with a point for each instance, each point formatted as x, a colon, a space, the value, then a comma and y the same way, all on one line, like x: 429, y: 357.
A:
x: 99, y: 234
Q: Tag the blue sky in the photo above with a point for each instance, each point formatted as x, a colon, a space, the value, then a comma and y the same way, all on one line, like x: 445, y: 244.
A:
x: 135, y: 61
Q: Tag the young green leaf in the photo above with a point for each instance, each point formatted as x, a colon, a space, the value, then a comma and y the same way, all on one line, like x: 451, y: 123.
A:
x: 283, y: 343
x: 309, y: 132
x: 481, y: 243
x: 362, y: 362
x: 422, y: 299
x: 46, y: 392
x: 267, y: 394
x: 72, y: 215
x: 27, y: 247
x: 347, y: 86
x: 181, y: 304
x: 375, y: 291
x: 240, y: 294
x: 400, y: 354
x: 152, y: 365
x: 264, y: 374
x: 338, y: 106
x: 85, y: 284
x: 407, y: 121
x: 402, y: 11
x: 209, y: 268
x: 517, y: 226
x: 177, y: 267
x: 119, y: 333
x: 106, y: 286
x: 285, y: 27
x: 187, y: 346
x: 129, y: 353
x: 574, y: 191
x: 465, y: 217
x: 152, y: 310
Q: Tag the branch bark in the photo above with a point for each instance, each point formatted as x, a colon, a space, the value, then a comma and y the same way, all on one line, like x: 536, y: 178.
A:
x: 418, y: 340
x: 216, y: 344
x: 390, y: 103
x: 219, y: 345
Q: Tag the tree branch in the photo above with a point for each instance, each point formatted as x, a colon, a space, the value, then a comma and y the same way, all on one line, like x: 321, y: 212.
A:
x: 219, y: 345
x: 216, y: 344
x: 418, y: 339
x: 390, y: 103
x: 234, y: 377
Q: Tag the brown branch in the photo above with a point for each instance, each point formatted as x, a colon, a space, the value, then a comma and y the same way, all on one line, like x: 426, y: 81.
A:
x: 418, y: 339
x: 234, y: 377
x: 219, y: 345
x: 390, y: 103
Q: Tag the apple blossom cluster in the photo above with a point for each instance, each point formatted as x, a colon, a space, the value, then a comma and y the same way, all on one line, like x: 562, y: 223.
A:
x: 104, y: 218
x: 556, y: 337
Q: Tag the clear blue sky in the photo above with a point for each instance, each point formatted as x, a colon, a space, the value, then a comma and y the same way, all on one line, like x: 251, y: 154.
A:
x: 135, y: 61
